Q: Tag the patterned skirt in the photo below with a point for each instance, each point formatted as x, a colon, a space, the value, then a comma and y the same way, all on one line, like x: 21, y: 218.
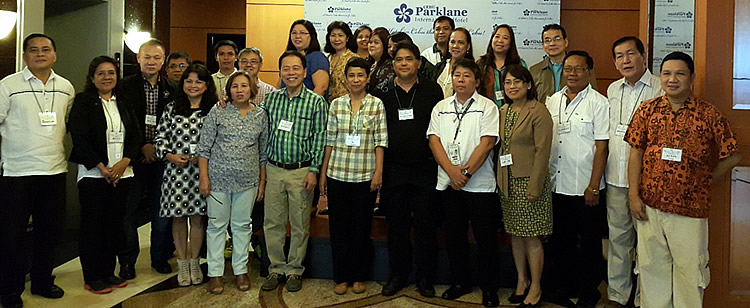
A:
x: 524, y: 218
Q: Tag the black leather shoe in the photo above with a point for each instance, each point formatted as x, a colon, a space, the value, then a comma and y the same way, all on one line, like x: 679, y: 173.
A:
x: 127, y: 271
x: 456, y: 291
x: 162, y: 267
x: 51, y: 291
x: 516, y: 298
x: 11, y: 301
x: 394, y: 285
x: 425, y: 288
x: 489, y: 299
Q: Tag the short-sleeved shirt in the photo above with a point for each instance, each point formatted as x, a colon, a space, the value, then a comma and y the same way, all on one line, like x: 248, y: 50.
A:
x: 349, y: 163
x: 220, y: 80
x: 28, y: 147
x: 479, y: 118
x: 234, y: 146
x: 623, y: 101
x: 572, y: 157
x: 432, y: 54
x: 263, y: 90
x: 701, y: 132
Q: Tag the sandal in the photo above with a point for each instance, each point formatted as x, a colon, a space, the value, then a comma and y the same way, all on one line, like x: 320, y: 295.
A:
x: 243, y: 282
x: 216, y: 285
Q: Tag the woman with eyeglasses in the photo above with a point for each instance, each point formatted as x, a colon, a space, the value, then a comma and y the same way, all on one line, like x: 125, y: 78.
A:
x: 303, y: 38
x: 232, y: 162
x: 501, y: 53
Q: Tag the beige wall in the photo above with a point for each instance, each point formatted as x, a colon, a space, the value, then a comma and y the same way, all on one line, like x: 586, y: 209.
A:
x: 192, y: 20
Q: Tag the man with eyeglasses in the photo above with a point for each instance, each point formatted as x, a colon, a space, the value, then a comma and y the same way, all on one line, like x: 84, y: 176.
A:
x: 251, y: 60
x: 625, y: 95
x: 226, y: 55
x: 34, y: 105
x: 579, y: 155
x: 177, y: 63
x: 548, y: 72
x: 441, y: 31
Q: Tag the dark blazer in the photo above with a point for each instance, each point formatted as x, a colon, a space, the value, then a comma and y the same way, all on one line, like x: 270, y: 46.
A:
x: 135, y: 97
x: 88, y: 127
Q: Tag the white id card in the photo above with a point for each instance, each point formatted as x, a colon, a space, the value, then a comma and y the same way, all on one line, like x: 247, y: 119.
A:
x: 671, y: 154
x: 48, y: 118
x: 621, y: 129
x: 406, y: 114
x: 506, y: 160
x: 116, y: 137
x: 193, y: 148
x: 118, y: 157
x: 150, y: 119
x: 454, y: 154
x: 563, y: 128
x: 499, y: 95
x: 286, y: 125
x: 353, y: 140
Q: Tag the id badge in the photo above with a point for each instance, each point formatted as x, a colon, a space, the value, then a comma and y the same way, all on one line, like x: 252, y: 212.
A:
x: 193, y: 148
x: 671, y: 154
x: 286, y: 125
x: 116, y: 137
x: 506, y: 160
x: 118, y: 157
x: 621, y: 129
x: 563, y: 128
x: 353, y: 140
x: 499, y: 95
x: 150, y: 119
x: 454, y: 154
x: 48, y: 118
x: 406, y: 114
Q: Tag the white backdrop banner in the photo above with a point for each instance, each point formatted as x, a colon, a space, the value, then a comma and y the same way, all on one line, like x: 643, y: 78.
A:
x: 674, y: 25
x: 415, y: 17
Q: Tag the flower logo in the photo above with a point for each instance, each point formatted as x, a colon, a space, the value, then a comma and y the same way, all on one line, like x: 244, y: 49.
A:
x: 526, y: 12
x: 403, y: 13
x: 330, y: 9
x: 688, y: 45
x: 526, y: 42
x: 689, y: 15
x: 668, y: 29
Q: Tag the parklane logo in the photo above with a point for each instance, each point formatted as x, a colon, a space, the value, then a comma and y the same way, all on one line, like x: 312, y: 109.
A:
x: 685, y: 45
x: 426, y: 13
x: 532, y: 42
x: 339, y: 9
x: 663, y: 30
x: 684, y: 15
x: 534, y: 12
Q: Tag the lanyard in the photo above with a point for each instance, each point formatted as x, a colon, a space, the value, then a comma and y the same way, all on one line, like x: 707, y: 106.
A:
x: 559, y: 107
x: 460, y: 115
x: 44, y: 91
x: 508, y: 114
x: 399, y: 100
x: 110, y: 121
x: 635, y: 104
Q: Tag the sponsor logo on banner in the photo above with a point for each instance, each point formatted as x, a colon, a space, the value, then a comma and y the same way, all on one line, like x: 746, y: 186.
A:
x: 680, y: 15
x: 339, y: 11
x: 532, y: 42
x: 428, y: 13
x: 679, y: 45
x: 535, y: 14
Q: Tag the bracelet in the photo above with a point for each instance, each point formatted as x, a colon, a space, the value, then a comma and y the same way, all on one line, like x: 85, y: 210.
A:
x: 593, y: 191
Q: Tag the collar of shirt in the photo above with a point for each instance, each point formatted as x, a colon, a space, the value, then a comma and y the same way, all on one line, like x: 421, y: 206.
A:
x: 222, y: 76
x: 158, y: 80
x: 28, y: 75
x: 644, y: 80
x: 111, y: 99
x: 689, y: 103
x: 435, y: 48
x: 454, y: 100
x: 299, y: 95
x: 579, y: 96
x: 548, y: 59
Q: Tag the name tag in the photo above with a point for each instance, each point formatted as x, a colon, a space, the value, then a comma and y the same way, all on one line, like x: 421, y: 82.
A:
x: 353, y: 140
x: 563, y: 128
x: 671, y: 154
x: 118, y: 158
x: 506, y: 160
x: 406, y: 114
x: 621, y: 129
x: 48, y: 118
x: 286, y: 125
x: 193, y: 148
x: 499, y: 95
x: 116, y: 137
x: 150, y: 119
x: 454, y: 154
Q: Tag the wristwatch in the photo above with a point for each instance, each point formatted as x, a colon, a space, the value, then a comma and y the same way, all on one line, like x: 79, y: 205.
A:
x: 466, y: 173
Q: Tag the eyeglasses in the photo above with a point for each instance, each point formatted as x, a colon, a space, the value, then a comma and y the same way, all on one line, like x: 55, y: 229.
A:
x: 550, y: 39
x: 577, y: 69
x: 176, y: 66
x: 516, y: 82
x: 246, y: 62
x: 302, y: 33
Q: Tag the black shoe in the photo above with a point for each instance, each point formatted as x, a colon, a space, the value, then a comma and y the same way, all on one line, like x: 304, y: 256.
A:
x: 127, y: 271
x: 516, y: 298
x: 425, y: 288
x: 116, y: 282
x: 489, y: 299
x: 456, y: 291
x: 51, y: 291
x: 162, y: 267
x: 11, y: 301
x: 394, y: 285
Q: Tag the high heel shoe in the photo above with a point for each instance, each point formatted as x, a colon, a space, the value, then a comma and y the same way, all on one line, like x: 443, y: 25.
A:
x: 518, y: 298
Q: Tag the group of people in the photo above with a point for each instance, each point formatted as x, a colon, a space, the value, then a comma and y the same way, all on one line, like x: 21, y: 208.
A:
x: 445, y: 140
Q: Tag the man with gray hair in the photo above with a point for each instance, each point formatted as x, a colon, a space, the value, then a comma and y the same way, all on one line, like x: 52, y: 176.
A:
x: 251, y: 60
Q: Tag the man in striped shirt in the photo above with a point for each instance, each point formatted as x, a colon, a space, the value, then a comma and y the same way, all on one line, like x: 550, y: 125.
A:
x: 297, y: 118
x: 251, y: 60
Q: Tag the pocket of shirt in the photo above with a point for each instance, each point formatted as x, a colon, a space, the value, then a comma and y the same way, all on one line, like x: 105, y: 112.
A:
x: 586, y: 126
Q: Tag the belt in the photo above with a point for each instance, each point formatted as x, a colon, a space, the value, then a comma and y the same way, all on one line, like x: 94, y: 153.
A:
x: 290, y: 166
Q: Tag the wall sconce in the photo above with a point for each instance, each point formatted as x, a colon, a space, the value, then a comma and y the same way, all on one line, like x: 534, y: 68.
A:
x: 7, y: 22
x: 134, y: 39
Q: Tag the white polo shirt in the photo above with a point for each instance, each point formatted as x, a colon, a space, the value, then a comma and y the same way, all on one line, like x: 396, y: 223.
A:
x: 572, y: 157
x: 432, y: 54
x: 445, y: 80
x: 114, y: 149
x: 220, y: 80
x: 623, y: 101
x: 481, y: 119
x: 27, y: 147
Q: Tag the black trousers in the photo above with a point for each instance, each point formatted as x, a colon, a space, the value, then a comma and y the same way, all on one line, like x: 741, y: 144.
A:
x: 575, y: 247
x: 43, y: 198
x: 350, y: 219
x: 482, y: 211
x: 102, y: 209
x: 145, y: 192
x: 405, y: 206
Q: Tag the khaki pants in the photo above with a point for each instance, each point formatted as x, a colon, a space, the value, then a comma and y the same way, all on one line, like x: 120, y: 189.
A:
x: 672, y: 260
x: 621, y: 245
x: 286, y: 200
